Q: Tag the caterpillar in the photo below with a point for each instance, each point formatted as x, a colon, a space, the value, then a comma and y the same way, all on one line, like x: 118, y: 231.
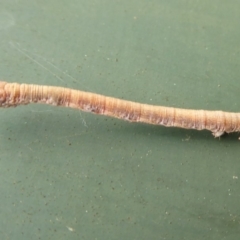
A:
x: 218, y: 122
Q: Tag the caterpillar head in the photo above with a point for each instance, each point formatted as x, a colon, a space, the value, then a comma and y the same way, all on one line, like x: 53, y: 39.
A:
x: 2, y: 94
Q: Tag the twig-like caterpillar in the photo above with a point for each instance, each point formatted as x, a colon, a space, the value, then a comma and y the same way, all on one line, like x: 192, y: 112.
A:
x: 218, y: 122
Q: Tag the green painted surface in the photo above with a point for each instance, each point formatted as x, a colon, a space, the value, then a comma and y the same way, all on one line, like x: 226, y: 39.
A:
x: 70, y: 175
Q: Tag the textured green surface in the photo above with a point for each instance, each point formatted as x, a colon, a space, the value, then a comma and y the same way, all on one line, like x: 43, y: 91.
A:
x: 70, y: 175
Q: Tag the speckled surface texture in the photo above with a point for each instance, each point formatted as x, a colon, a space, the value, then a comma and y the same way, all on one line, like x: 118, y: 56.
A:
x: 66, y: 174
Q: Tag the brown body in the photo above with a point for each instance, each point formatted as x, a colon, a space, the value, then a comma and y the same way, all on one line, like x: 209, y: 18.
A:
x: 218, y: 122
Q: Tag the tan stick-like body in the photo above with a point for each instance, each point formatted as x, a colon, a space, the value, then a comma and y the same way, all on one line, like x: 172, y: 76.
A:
x: 218, y: 122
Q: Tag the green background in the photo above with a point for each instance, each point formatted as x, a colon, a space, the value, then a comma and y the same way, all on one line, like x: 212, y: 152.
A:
x: 66, y: 174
